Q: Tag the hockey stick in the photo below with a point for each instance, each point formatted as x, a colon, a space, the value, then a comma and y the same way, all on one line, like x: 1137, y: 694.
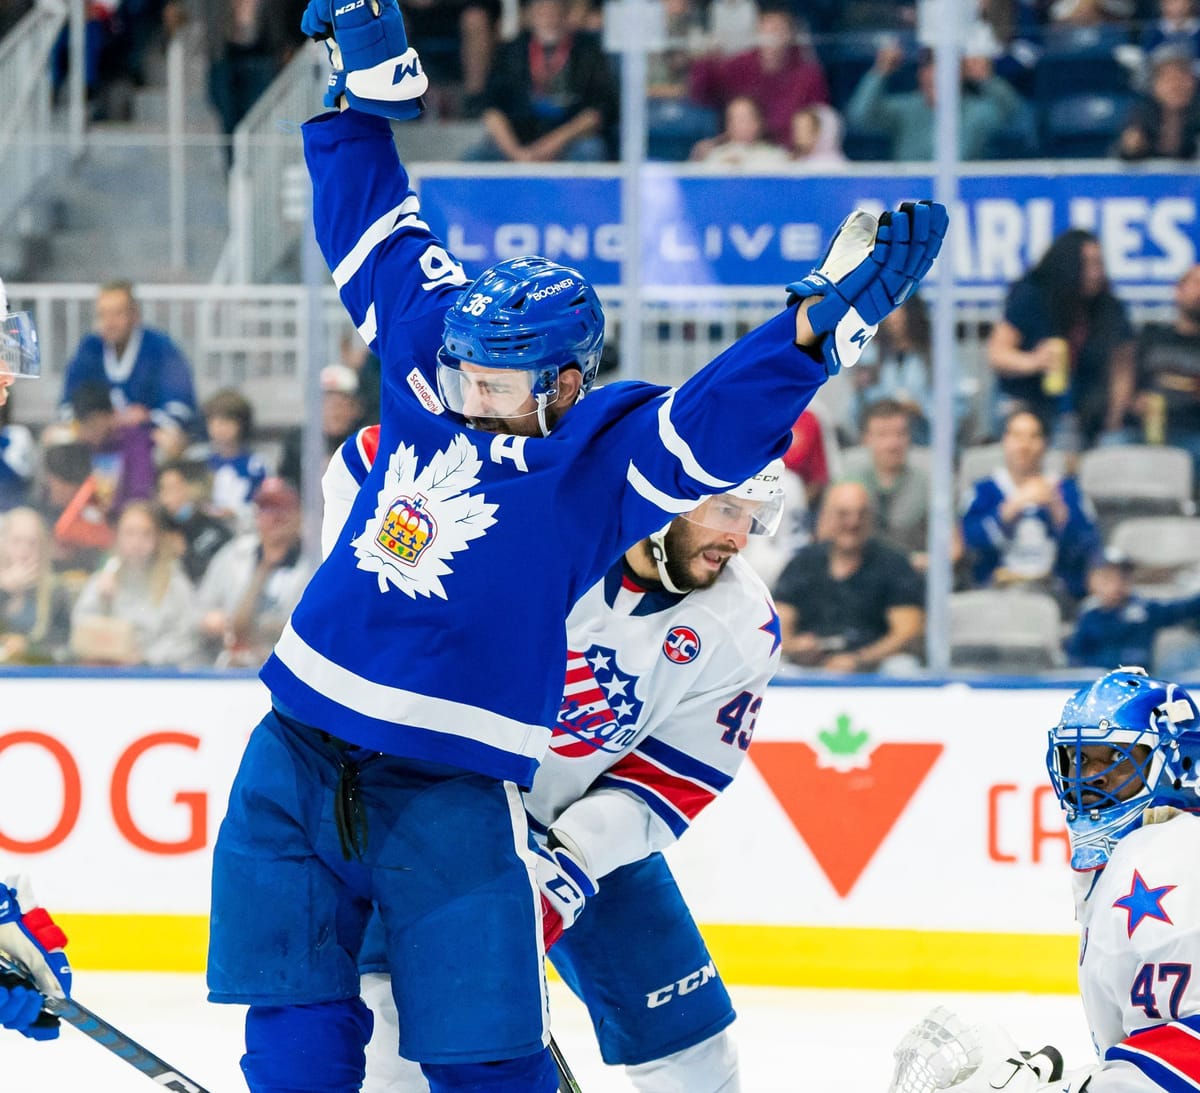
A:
x: 566, y: 1080
x: 95, y: 1027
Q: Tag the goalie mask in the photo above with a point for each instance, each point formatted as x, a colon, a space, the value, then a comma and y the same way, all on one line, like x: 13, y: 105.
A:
x: 19, y: 354
x: 755, y: 507
x: 511, y: 332
x: 1122, y: 745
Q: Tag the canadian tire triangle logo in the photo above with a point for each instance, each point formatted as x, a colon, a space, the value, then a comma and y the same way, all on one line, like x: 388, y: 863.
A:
x: 843, y: 797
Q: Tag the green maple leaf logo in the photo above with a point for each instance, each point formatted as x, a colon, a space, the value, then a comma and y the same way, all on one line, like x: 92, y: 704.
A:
x: 843, y: 740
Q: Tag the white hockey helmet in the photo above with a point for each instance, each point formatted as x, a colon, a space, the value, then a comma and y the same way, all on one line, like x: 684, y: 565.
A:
x: 765, y: 490
x: 19, y: 354
x: 753, y: 507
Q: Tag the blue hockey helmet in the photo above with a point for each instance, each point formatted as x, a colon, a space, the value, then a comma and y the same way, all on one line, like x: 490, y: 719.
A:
x: 530, y: 316
x: 1151, y: 729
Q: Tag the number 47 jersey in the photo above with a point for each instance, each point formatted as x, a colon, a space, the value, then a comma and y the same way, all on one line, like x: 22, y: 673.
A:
x: 1139, y: 959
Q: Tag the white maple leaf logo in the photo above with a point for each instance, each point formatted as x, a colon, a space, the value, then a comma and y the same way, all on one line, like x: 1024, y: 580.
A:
x: 423, y: 518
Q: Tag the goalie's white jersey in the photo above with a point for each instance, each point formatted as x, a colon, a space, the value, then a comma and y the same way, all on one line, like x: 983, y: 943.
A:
x: 1139, y: 960
x: 660, y: 698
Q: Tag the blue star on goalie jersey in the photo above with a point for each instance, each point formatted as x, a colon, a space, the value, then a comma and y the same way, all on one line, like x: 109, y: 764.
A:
x: 600, y: 706
x: 771, y: 628
x: 1144, y: 902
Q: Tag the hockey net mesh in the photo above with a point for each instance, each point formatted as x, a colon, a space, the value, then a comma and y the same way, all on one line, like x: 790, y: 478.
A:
x: 938, y: 1052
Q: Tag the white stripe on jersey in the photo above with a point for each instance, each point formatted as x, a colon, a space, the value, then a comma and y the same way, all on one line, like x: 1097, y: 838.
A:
x: 678, y: 447
x: 401, y: 706
x: 368, y: 328
x: 655, y: 496
x: 371, y: 238
x: 520, y: 829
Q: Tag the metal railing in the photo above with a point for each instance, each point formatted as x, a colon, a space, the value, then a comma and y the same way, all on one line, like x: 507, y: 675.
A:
x: 26, y: 118
x: 255, y: 337
x: 268, y: 187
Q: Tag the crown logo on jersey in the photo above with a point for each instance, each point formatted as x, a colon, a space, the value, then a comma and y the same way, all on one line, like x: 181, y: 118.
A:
x: 423, y: 517
x: 407, y: 530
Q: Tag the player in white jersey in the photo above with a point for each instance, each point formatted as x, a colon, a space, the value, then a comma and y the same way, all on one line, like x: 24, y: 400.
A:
x: 1124, y: 761
x: 669, y: 657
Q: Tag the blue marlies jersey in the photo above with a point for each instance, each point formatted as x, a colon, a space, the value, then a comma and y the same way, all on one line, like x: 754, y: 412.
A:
x: 435, y: 628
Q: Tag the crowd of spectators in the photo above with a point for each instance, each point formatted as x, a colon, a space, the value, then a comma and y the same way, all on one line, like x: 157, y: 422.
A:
x: 142, y: 528
x: 763, y: 85
x: 750, y: 84
x: 145, y: 527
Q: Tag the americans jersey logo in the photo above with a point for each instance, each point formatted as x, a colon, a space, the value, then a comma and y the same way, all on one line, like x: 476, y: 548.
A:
x: 600, y: 707
x: 422, y: 518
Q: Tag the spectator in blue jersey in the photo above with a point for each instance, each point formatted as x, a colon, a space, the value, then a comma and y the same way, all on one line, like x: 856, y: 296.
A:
x: 1118, y: 626
x: 237, y: 471
x: 411, y: 700
x: 148, y: 376
x: 1024, y: 525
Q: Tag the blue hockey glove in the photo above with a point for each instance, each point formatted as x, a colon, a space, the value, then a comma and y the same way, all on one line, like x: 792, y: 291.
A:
x: 30, y: 937
x: 382, y: 73
x: 565, y: 886
x: 870, y: 269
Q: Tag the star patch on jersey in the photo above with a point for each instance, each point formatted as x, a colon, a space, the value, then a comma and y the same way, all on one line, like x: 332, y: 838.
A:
x: 423, y: 518
x: 600, y: 707
x: 1144, y: 902
x: 772, y: 628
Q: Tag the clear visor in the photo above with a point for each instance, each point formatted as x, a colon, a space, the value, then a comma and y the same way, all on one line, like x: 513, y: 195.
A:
x: 478, y: 392
x: 19, y: 354
x: 737, y: 515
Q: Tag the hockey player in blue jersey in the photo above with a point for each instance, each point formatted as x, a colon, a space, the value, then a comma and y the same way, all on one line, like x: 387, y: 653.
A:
x: 410, y: 697
x: 670, y: 654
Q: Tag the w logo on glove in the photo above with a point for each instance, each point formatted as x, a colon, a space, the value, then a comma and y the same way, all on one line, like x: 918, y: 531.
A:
x: 871, y: 267
x: 373, y: 64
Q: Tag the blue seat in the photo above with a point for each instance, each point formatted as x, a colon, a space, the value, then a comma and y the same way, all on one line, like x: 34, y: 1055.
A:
x: 1084, y: 125
x: 1076, y: 73
x: 1017, y: 140
x: 869, y: 145
x: 674, y: 125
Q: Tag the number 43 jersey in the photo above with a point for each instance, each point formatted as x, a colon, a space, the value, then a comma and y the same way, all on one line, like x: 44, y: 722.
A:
x: 1139, y: 959
x: 659, y: 705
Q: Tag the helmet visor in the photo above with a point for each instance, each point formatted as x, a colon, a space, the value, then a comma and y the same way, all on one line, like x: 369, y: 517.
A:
x: 738, y: 515
x: 19, y: 354
x: 475, y: 391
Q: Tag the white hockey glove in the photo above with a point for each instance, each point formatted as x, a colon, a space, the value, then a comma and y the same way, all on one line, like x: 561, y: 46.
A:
x: 565, y: 885
x: 870, y: 268
x: 372, y: 62
x: 30, y: 937
x: 1005, y: 1067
